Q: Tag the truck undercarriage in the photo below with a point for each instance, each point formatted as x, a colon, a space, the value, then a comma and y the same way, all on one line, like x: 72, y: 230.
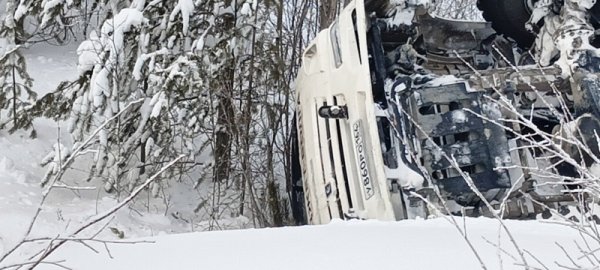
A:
x: 401, y: 114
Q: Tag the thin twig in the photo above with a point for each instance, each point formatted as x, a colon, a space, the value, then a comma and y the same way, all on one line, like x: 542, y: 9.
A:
x: 110, y: 211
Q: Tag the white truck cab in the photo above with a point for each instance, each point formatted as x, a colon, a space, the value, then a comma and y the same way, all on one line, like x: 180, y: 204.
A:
x: 392, y: 114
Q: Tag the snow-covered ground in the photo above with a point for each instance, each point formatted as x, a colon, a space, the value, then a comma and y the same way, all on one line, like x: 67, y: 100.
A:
x: 411, y: 244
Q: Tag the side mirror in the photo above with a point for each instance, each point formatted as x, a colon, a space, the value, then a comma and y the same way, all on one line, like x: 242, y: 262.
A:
x: 334, y: 112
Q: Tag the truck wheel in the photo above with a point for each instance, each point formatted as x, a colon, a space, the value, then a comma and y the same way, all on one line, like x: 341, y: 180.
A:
x: 295, y: 186
x: 508, y: 17
x: 380, y: 7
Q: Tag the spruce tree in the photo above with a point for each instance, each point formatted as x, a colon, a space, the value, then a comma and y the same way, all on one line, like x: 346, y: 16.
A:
x: 15, y: 83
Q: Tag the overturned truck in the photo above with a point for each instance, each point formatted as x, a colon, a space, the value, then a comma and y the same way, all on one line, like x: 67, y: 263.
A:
x: 402, y: 114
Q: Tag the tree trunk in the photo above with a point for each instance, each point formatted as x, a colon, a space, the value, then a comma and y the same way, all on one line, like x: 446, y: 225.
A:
x: 225, y: 113
x: 14, y: 97
x: 223, y: 136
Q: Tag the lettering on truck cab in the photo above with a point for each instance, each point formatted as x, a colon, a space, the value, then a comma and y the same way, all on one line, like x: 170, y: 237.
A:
x: 362, y: 165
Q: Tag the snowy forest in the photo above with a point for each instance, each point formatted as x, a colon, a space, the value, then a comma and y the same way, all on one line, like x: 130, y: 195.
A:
x: 126, y: 119
x: 206, y: 83
x: 187, y: 101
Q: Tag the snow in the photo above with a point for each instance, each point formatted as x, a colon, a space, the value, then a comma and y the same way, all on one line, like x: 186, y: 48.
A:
x: 246, y: 10
x: 158, y: 102
x: 58, y: 155
x: 402, y: 17
x: 186, y: 8
x: 48, y: 5
x: 402, y: 12
x: 137, y: 69
x: 595, y: 170
x: 198, y: 44
x: 444, y: 80
x: 5, y: 46
x: 492, y: 110
x: 113, y: 31
x: 88, y: 52
x: 138, y: 4
x: 20, y: 12
x: 410, y: 244
x: 459, y: 117
x: 408, y: 178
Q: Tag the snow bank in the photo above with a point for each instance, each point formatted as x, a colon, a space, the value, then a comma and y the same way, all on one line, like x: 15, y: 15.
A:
x: 410, y: 244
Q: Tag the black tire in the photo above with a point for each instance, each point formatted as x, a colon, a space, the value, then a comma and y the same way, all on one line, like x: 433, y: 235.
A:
x: 508, y: 17
x: 380, y: 7
x: 295, y: 186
